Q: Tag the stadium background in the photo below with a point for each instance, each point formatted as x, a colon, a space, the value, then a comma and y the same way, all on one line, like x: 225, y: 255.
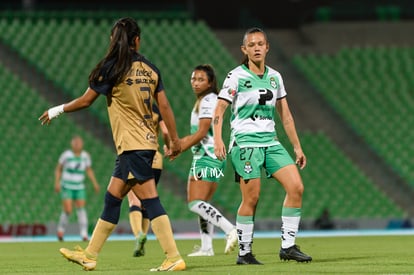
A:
x: 347, y: 65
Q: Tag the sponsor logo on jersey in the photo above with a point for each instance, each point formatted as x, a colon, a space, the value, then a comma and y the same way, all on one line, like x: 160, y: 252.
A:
x: 147, y: 123
x: 205, y: 110
x: 260, y: 117
x: 152, y: 138
x: 130, y: 81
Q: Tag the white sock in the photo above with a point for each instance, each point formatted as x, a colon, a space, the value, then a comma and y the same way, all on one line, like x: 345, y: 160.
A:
x: 211, y: 214
x: 83, y: 222
x: 290, y: 226
x: 63, y: 221
x: 245, y: 227
x: 206, y: 232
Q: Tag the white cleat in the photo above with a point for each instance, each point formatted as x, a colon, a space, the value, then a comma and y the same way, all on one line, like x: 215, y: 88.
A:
x: 231, y: 241
x: 200, y: 253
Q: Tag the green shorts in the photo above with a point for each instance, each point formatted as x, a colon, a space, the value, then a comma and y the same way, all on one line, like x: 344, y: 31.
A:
x: 249, y: 161
x: 207, y: 169
x: 70, y: 194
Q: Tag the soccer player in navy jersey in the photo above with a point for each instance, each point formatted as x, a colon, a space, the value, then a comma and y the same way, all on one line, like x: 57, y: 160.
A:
x: 130, y: 83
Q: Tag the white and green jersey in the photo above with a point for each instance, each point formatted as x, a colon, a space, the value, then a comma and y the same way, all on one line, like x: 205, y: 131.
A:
x: 74, y: 168
x: 205, y: 110
x: 253, y: 100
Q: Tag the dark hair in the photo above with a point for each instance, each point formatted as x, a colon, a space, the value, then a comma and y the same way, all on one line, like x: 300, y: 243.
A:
x: 120, y: 52
x: 211, y: 75
x: 245, y: 59
x: 212, y: 79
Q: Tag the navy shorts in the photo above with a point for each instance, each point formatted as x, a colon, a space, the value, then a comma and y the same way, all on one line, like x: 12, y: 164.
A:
x: 134, y: 166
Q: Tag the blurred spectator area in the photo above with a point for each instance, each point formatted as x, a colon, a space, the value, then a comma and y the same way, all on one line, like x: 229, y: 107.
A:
x: 281, y: 14
x: 349, y: 84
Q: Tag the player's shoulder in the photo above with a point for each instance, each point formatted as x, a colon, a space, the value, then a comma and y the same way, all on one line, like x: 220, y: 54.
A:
x: 85, y: 154
x: 148, y: 62
x: 210, y: 97
x: 273, y: 72
x: 67, y: 152
x: 237, y: 70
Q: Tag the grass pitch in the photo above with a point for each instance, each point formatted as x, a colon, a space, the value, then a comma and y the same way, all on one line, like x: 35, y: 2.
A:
x: 331, y: 255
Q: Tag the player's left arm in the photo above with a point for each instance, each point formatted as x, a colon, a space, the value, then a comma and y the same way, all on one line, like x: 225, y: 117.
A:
x: 91, y: 176
x: 288, y: 122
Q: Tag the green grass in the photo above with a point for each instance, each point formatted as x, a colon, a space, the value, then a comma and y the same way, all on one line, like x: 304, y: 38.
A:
x: 331, y: 255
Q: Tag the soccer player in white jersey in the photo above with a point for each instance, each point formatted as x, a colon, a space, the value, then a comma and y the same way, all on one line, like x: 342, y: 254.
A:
x: 70, y: 173
x: 206, y: 170
x: 256, y: 92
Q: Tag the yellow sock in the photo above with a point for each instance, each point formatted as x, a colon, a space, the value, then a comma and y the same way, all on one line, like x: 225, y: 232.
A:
x: 145, y: 225
x: 135, y: 219
x: 163, y: 231
x: 101, y: 232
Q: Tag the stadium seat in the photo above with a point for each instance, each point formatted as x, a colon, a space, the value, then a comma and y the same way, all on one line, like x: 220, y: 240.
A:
x: 68, y: 64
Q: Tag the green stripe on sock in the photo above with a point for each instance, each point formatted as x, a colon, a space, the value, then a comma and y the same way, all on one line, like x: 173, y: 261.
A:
x: 191, y: 204
x: 245, y: 219
x: 291, y: 212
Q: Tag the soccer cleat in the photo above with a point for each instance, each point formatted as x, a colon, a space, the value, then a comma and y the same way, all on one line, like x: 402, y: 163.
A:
x: 247, y: 259
x: 139, y: 247
x: 199, y: 252
x: 231, y: 241
x: 78, y: 256
x: 294, y: 253
x: 167, y: 265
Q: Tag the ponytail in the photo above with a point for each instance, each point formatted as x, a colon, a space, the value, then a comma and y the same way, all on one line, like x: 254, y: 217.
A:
x: 120, y: 52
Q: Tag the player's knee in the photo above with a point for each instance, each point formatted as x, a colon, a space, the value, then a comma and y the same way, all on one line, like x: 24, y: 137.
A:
x: 153, y: 207
x: 251, y: 200
x: 298, y: 190
x: 112, y: 209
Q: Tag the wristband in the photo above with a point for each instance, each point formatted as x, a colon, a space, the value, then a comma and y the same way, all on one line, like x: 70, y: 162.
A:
x: 55, y: 111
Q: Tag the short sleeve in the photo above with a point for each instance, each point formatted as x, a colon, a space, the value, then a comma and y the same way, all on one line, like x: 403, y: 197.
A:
x: 63, y: 157
x: 229, y: 90
x: 88, y: 159
x: 281, y: 92
x: 103, y: 85
x: 207, y: 106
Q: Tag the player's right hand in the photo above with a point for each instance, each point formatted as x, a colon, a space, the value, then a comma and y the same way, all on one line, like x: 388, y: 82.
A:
x: 44, y: 118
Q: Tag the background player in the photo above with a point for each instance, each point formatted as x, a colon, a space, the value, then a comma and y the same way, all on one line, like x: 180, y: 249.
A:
x: 70, y: 173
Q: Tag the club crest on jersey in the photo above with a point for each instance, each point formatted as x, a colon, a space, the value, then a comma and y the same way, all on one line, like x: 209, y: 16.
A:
x: 248, y: 167
x: 274, y: 83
